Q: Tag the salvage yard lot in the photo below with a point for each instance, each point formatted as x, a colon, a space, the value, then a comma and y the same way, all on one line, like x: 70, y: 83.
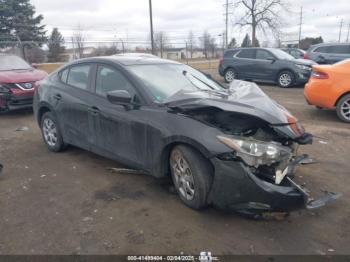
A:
x: 70, y: 203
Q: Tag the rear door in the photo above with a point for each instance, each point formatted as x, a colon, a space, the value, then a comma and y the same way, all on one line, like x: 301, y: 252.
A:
x: 72, y: 97
x: 244, y: 63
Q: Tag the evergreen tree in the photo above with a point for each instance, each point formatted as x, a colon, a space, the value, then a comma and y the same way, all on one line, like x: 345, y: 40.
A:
x: 246, y: 41
x: 56, y: 46
x: 233, y: 43
x: 18, y: 22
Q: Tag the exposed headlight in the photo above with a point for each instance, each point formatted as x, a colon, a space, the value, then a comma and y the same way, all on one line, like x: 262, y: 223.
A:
x: 303, y: 67
x: 256, y: 153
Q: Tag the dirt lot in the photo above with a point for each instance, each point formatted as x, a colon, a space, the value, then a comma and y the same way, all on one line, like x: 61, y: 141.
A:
x: 69, y: 203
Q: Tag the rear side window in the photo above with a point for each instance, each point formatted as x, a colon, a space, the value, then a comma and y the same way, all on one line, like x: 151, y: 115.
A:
x: 247, y: 53
x: 230, y: 54
x: 79, y: 76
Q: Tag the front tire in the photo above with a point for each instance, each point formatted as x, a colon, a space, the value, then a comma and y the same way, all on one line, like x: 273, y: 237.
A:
x: 343, y: 108
x: 192, y: 176
x: 51, y: 133
x: 285, y: 79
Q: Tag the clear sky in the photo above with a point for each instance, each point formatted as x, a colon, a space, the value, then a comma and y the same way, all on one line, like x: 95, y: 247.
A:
x: 108, y: 20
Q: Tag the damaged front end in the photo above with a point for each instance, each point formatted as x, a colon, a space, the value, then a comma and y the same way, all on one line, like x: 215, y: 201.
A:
x: 255, y: 174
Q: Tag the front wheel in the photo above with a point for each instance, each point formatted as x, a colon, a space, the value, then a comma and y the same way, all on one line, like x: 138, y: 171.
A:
x: 343, y: 108
x: 192, y: 176
x: 285, y: 79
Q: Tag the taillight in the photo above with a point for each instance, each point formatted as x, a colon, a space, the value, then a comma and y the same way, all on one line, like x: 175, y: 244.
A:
x: 306, y: 56
x: 319, y: 75
x: 221, y: 61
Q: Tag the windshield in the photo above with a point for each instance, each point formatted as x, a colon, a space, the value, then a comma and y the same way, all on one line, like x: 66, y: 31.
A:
x: 281, y: 54
x: 165, y: 80
x: 9, y: 62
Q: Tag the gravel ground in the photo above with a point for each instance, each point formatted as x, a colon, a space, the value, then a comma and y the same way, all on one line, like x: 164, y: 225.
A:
x: 69, y: 203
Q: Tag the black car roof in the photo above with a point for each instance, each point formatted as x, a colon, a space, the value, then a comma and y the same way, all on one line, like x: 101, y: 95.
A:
x: 129, y: 60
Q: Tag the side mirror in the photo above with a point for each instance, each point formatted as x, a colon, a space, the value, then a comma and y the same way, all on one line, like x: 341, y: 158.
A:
x: 272, y: 60
x: 119, y: 97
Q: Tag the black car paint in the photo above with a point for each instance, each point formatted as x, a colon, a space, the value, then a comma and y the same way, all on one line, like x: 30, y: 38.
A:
x: 264, y: 70
x: 141, y: 135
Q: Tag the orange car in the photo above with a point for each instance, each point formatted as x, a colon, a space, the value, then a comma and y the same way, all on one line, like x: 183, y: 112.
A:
x: 329, y: 87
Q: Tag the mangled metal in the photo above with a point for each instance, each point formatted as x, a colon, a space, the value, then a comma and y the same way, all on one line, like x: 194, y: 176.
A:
x: 261, y: 133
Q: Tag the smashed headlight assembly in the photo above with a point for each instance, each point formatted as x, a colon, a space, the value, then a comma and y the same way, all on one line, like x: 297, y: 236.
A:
x: 257, y: 153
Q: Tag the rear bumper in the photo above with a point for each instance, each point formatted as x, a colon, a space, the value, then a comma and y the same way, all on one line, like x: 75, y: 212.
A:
x: 236, y: 188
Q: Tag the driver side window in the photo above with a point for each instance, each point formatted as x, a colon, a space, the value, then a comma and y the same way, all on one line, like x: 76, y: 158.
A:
x: 263, y: 55
x: 109, y: 79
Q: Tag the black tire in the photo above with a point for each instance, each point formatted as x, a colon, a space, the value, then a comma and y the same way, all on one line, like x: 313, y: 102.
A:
x: 202, y: 174
x: 229, y: 73
x: 286, y: 79
x: 59, y: 145
x: 343, y: 108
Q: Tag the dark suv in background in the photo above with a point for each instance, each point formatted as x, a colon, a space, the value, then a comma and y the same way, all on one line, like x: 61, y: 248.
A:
x: 328, y: 53
x: 268, y: 65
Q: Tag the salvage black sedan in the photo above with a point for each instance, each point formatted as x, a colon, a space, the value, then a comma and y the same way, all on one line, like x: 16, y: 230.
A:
x: 231, y: 147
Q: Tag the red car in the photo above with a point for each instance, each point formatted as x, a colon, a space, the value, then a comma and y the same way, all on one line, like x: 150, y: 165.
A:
x: 17, y: 82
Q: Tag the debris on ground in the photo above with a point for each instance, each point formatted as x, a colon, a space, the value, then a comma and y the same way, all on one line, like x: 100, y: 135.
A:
x: 22, y: 128
x: 126, y: 171
x: 323, y: 142
x: 1, y: 168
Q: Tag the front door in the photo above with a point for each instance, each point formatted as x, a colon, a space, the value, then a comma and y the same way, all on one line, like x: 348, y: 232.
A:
x: 120, y: 131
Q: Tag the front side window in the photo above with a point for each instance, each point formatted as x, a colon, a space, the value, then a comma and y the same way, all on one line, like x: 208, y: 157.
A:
x: 79, y: 76
x: 64, y: 75
x: 263, y: 55
x: 247, y: 53
x: 339, y: 49
x: 109, y: 79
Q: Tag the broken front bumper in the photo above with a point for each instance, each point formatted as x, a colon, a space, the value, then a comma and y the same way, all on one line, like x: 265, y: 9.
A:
x: 236, y: 188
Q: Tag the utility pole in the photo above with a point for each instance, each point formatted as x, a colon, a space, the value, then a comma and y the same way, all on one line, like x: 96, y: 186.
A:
x: 226, y: 31
x: 151, y: 24
x: 341, y: 27
x: 300, y: 25
x: 347, y: 38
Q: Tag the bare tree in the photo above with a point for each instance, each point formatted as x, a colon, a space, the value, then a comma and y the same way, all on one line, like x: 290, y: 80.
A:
x: 191, y: 42
x: 205, y: 43
x: 161, y: 42
x: 262, y: 14
x: 78, y: 42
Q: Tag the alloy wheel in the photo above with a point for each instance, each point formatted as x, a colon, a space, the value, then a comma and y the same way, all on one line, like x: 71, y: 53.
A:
x: 50, y: 132
x: 285, y: 80
x: 230, y: 76
x: 183, y: 177
x: 345, y: 109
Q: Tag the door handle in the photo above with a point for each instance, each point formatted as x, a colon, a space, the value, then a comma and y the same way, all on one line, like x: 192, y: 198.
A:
x: 57, y: 97
x: 94, y: 110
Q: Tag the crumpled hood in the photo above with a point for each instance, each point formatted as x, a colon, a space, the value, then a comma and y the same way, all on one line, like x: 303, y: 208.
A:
x: 245, y: 98
x: 242, y: 97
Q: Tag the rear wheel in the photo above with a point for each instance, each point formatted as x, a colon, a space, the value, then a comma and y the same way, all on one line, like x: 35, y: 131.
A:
x: 192, y: 176
x: 51, y: 133
x: 230, y: 75
x: 343, y: 108
x: 285, y: 79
